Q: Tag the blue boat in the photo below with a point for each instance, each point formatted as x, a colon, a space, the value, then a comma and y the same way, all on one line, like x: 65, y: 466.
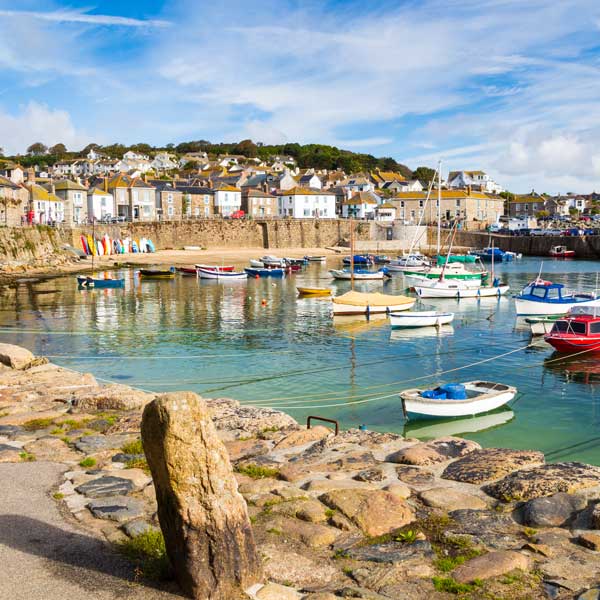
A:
x: 264, y: 272
x: 545, y: 298
x: 90, y: 282
x: 495, y: 254
x: 359, y: 259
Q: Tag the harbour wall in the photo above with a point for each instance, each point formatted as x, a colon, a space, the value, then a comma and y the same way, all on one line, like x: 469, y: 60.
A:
x: 26, y: 245
x: 528, y: 245
x: 230, y: 233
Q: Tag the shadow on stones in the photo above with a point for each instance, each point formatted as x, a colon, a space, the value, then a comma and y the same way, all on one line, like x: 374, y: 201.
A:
x: 81, y: 559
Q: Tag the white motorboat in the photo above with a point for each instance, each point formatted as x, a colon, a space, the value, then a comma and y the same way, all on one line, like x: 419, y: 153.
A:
x: 450, y: 271
x: 426, y: 282
x: 359, y: 303
x: 412, y: 262
x: 455, y: 289
x: 316, y: 258
x: 546, y: 298
x: 272, y: 261
x: 457, y: 399
x: 359, y: 274
x: 429, y: 318
x: 220, y: 275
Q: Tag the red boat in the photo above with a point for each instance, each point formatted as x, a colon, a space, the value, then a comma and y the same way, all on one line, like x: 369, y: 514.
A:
x: 187, y: 271
x: 577, y: 332
x: 561, y: 252
x: 220, y: 268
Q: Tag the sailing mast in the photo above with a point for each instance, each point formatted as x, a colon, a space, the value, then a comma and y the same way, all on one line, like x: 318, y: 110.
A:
x: 439, y: 207
x: 351, y: 254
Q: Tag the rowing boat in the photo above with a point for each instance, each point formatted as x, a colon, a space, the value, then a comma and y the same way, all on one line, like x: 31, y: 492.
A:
x: 157, y: 273
x: 264, y: 272
x: 215, y: 267
x: 426, y: 318
x: 306, y: 291
x: 358, y: 275
x: 457, y: 400
x: 221, y: 275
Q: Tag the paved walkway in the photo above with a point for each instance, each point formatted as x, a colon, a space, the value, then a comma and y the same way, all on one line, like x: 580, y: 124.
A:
x: 44, y: 557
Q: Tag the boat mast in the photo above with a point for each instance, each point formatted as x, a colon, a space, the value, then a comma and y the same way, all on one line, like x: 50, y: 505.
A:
x: 449, y: 252
x: 439, y: 207
x: 351, y: 254
x: 93, y: 240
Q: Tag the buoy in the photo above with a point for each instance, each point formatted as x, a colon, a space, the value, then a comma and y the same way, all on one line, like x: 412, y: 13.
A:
x: 257, y: 277
x: 263, y: 302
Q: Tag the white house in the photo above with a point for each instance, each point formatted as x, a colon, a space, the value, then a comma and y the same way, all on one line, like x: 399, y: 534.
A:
x: 353, y: 185
x: 385, y: 212
x: 47, y: 207
x: 310, y: 180
x: 163, y: 161
x: 476, y: 179
x: 302, y: 203
x: 132, y: 161
x: 361, y: 206
x: 228, y: 199
x: 101, y: 204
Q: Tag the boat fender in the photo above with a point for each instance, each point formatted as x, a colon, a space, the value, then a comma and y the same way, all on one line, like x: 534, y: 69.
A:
x: 263, y: 302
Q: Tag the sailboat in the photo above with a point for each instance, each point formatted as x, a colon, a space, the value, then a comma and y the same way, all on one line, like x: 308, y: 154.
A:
x: 367, y: 303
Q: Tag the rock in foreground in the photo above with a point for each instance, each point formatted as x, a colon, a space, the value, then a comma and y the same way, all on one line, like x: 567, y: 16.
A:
x: 204, y: 519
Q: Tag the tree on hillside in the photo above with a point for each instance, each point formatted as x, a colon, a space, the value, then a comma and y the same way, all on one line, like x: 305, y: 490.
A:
x: 58, y: 149
x: 89, y: 147
x: 37, y: 149
x: 425, y: 174
x: 114, y: 150
x: 142, y: 148
x: 246, y: 148
x: 1, y: 151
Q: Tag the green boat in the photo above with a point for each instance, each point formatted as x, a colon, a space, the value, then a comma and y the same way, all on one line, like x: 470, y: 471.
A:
x: 451, y: 271
x: 456, y: 258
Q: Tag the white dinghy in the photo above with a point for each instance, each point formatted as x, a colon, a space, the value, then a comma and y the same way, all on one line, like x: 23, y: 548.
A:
x: 457, y: 399
x: 425, y: 318
x: 456, y: 289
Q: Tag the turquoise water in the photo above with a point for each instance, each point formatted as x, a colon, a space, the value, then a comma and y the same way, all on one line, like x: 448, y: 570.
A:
x: 257, y: 342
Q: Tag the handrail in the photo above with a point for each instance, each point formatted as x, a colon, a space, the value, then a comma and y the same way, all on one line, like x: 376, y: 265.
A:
x: 325, y: 419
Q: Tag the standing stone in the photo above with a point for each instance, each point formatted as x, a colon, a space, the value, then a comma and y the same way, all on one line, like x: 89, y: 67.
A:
x: 203, y: 518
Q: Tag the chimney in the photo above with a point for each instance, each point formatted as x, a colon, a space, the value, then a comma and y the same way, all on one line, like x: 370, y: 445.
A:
x: 31, y: 175
x: 175, y: 182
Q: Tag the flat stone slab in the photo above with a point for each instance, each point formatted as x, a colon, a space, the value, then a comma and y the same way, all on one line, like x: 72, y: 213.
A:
x: 11, y: 431
x: 496, y: 530
x: 487, y: 464
x: 449, y: 499
x: 90, y: 444
x: 435, y: 451
x: 137, y: 527
x: 106, y: 486
x: 545, y: 481
x: 552, y: 511
x: 392, y: 552
x: 125, y: 458
x: 117, y: 508
x: 414, y: 475
x: 492, y: 564
x: 15, y: 356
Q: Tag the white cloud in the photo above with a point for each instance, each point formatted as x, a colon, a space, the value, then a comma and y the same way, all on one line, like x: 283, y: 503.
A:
x: 38, y: 123
x: 72, y: 16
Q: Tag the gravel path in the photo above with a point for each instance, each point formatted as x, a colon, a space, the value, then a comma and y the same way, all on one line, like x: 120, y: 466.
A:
x: 44, y: 557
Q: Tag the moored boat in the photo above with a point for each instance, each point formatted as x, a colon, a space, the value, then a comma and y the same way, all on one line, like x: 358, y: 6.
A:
x: 492, y: 254
x: 308, y: 291
x: 429, y: 318
x: 458, y: 290
x: 579, y: 331
x: 257, y: 272
x: 415, y: 263
x: 221, y: 275
x: 157, y: 273
x: 215, y: 267
x: 457, y: 400
x: 541, y: 325
x: 359, y: 303
x: 358, y: 259
x: 449, y: 271
x: 316, y: 258
x: 187, y: 270
x: 561, y: 252
x: 92, y: 282
x: 546, y: 298
x: 358, y: 275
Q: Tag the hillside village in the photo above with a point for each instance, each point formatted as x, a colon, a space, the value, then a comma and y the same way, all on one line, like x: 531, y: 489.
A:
x: 170, y: 186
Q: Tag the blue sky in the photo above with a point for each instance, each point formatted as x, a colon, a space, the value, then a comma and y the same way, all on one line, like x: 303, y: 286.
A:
x: 508, y: 86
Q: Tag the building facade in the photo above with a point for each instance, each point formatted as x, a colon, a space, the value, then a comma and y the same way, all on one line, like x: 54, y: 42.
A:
x: 257, y: 203
x: 301, y: 203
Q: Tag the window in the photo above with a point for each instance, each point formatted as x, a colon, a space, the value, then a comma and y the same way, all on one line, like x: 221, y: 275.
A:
x: 539, y: 292
x: 421, y: 203
x: 526, y: 207
x: 197, y: 211
x: 170, y: 210
x: 402, y: 203
x: 458, y: 202
x: 170, y: 198
x: 206, y: 200
x: 553, y: 294
x: 307, y: 212
x: 594, y: 327
x: 206, y: 211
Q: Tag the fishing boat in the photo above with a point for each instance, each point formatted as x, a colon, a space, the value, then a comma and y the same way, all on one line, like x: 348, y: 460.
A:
x: 358, y: 303
x: 415, y: 263
x: 577, y: 332
x: 307, y: 291
x: 358, y: 274
x: 493, y: 254
x: 301, y: 262
x: 541, y: 325
x: 458, y: 290
x: 429, y: 318
x: 258, y: 272
x: 187, y: 271
x: 221, y: 275
x: 91, y: 282
x: 561, y: 252
x: 215, y: 267
x: 157, y: 273
x: 316, y: 258
x: 546, y: 298
x: 457, y: 399
x: 382, y: 259
x: 359, y: 259
x: 450, y: 271
x: 272, y: 261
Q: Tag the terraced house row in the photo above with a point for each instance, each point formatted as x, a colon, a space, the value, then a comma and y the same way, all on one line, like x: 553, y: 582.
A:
x: 225, y: 191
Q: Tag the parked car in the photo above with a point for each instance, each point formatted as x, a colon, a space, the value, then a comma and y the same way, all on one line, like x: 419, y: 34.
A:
x: 238, y: 214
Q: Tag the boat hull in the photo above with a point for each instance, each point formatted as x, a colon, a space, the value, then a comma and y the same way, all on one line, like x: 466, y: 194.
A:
x: 413, y: 403
x: 573, y: 343
x: 89, y: 282
x: 459, y: 293
x: 420, y: 319
x: 215, y: 267
x: 221, y: 275
x: 531, y: 307
x: 350, y: 309
x: 347, y: 276
x: 264, y: 272
x: 305, y: 291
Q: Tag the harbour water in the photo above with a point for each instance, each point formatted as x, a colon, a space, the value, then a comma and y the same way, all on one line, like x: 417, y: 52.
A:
x: 257, y: 342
